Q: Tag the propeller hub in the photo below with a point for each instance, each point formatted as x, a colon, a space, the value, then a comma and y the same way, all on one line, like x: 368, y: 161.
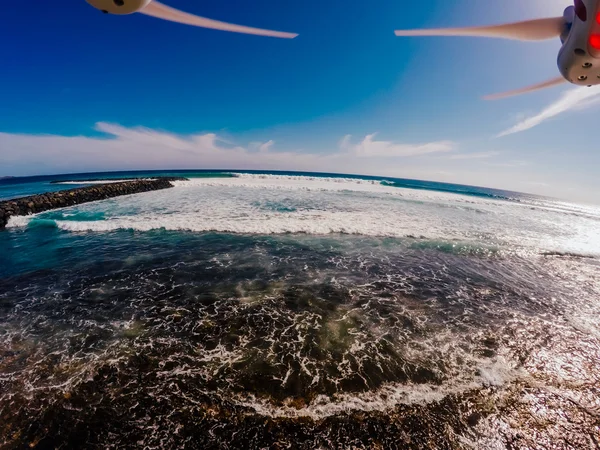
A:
x: 119, y: 7
x: 579, y: 57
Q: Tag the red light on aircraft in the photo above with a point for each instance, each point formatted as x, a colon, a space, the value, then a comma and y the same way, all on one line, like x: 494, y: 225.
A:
x: 598, y: 18
x: 595, y: 41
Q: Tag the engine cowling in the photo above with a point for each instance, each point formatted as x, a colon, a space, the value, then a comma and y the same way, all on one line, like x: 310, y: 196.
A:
x: 119, y: 6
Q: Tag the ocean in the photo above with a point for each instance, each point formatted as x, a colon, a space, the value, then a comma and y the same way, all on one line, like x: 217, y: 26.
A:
x: 298, y: 310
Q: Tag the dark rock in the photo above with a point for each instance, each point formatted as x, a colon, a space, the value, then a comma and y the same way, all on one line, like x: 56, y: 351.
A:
x: 474, y: 419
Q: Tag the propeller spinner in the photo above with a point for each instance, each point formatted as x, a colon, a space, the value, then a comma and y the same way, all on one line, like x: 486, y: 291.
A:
x: 158, y: 10
x: 579, y: 31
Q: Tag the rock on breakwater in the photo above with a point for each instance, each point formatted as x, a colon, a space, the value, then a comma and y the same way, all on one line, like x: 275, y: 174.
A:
x: 52, y: 200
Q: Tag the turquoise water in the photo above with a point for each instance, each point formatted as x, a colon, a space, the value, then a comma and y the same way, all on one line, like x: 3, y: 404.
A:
x: 24, y: 186
x: 269, y: 310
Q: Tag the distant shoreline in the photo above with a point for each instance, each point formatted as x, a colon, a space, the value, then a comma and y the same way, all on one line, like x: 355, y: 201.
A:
x: 107, y: 181
x: 408, y: 183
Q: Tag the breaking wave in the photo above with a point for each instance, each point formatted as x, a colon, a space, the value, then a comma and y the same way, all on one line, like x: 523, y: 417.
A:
x: 283, y: 204
x: 300, y: 312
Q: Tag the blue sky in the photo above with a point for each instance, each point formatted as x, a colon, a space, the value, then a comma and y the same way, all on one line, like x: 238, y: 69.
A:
x: 82, y: 91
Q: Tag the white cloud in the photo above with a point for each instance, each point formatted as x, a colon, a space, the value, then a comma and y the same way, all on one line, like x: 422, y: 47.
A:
x: 139, y: 148
x: 369, y: 148
x: 261, y: 147
x: 477, y: 155
x: 511, y: 163
x: 346, y: 143
x: 571, y: 100
x: 143, y: 148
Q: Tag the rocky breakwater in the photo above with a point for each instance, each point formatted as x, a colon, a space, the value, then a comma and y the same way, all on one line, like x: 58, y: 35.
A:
x: 52, y: 200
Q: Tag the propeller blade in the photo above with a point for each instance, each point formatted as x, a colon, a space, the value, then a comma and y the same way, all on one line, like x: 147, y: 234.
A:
x: 527, y: 90
x: 158, y: 10
x: 529, y: 30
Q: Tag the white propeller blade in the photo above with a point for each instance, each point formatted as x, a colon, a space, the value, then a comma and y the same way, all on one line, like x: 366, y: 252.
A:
x: 536, y: 87
x: 529, y: 30
x: 156, y: 9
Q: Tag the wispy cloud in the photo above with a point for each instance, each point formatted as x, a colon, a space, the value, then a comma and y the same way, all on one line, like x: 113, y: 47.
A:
x: 139, y: 148
x: 510, y: 163
x: 124, y: 148
x: 574, y: 99
x: 538, y: 183
x: 369, y: 147
x: 476, y: 155
x: 261, y: 147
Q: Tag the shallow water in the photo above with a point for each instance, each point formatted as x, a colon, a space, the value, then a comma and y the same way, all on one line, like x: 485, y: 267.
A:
x: 129, y: 323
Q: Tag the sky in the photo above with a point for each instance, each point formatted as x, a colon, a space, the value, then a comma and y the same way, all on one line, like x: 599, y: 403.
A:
x: 82, y: 91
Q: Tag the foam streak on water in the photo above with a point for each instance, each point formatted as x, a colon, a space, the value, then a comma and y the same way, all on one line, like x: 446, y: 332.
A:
x: 263, y: 311
x: 271, y: 204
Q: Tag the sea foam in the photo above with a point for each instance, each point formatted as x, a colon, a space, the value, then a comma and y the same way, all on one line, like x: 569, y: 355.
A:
x: 279, y: 204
